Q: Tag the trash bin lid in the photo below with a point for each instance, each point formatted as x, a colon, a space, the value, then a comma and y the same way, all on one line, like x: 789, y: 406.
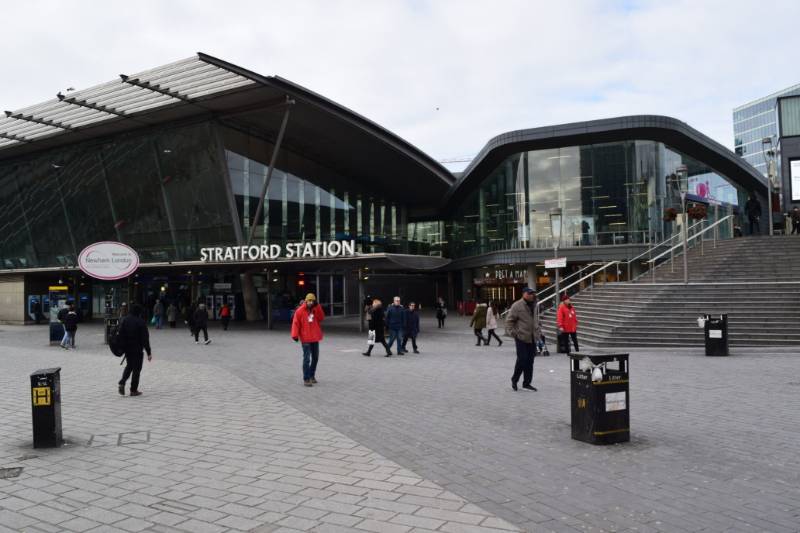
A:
x: 46, y: 371
x: 598, y: 357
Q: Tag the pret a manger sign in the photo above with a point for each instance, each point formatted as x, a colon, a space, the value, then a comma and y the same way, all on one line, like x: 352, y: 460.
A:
x: 292, y: 250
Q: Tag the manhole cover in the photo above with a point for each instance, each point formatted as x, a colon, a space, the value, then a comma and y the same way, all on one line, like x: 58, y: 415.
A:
x: 8, y: 473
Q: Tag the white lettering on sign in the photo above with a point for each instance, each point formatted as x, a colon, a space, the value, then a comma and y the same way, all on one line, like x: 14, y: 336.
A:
x: 108, y: 260
x: 266, y: 252
x: 714, y: 333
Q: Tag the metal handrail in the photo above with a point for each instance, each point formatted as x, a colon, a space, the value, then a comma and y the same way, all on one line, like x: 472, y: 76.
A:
x: 662, y: 243
x: 587, y: 276
x: 552, y: 285
x: 677, y: 246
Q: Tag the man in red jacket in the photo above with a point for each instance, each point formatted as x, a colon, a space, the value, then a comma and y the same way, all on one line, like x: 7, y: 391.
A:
x: 567, y: 322
x: 307, y: 330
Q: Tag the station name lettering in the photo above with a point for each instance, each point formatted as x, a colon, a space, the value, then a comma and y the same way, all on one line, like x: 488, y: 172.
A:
x: 264, y: 252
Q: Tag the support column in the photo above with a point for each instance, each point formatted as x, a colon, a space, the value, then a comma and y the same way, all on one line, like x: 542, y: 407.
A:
x: 360, y: 300
x: 269, y: 301
x: 532, y: 276
x: 250, y: 297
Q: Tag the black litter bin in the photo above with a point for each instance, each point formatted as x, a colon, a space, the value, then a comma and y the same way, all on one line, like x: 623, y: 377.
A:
x: 111, y: 323
x: 716, y: 335
x: 600, y: 399
x: 46, y: 407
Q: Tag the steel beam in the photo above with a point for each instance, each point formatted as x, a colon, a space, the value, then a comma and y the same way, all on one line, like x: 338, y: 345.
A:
x: 31, y: 118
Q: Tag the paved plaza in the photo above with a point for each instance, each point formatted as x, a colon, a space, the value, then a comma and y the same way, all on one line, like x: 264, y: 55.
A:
x: 226, y: 438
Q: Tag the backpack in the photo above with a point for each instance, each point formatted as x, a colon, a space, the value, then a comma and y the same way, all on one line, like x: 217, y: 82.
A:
x: 115, y: 341
x: 62, y: 314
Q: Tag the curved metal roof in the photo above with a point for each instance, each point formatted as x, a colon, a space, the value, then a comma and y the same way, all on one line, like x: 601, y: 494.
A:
x: 203, y: 84
x: 670, y: 131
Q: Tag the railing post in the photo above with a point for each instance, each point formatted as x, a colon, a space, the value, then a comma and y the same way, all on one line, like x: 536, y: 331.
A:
x: 653, y: 270
x: 702, y: 238
x: 591, y: 287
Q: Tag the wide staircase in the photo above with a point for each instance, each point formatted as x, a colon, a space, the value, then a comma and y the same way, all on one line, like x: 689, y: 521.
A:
x: 755, y: 280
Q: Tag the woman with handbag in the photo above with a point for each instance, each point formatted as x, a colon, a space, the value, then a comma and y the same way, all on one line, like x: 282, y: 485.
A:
x: 441, y: 311
x: 377, y: 334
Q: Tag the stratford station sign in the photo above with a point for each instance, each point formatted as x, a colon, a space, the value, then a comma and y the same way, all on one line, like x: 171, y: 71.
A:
x: 267, y: 252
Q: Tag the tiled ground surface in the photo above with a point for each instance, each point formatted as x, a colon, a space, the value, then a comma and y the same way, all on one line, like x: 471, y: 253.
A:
x: 201, y: 451
x: 713, y: 445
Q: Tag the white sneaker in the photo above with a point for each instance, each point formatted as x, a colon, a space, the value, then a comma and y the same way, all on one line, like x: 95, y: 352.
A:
x: 208, y: 341
x: 197, y: 342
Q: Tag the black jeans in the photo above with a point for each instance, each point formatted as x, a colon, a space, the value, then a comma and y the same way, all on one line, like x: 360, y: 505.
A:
x: 795, y: 229
x: 385, y: 347
x: 564, y: 338
x: 413, y: 341
x: 493, y: 334
x: 524, y: 366
x: 197, y: 333
x: 441, y: 321
x: 479, y: 334
x: 225, y: 321
x: 132, y: 370
x: 754, y: 224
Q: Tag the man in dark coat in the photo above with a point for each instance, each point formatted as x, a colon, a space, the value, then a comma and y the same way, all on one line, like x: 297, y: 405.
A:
x: 135, y: 340
x: 411, y: 327
x: 395, y: 318
x: 377, y: 326
x: 201, y: 323
x: 70, y: 327
x: 753, y: 211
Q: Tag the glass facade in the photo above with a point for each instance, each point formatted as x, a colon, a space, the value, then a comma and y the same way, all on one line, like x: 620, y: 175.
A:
x: 612, y: 193
x: 752, y: 122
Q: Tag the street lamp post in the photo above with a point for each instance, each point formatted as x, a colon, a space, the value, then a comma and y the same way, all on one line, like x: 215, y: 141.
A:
x: 682, y: 173
x: 555, y: 231
x: 766, y: 145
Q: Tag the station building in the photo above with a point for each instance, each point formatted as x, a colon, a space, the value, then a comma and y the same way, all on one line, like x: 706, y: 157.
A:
x: 234, y: 187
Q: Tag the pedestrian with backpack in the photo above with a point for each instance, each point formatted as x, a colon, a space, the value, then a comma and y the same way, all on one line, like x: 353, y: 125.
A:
x: 200, y: 321
x: 70, y: 328
x: 225, y: 316
x: 133, y: 340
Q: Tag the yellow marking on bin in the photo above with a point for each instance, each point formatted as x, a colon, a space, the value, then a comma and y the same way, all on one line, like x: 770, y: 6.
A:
x: 609, y: 382
x: 41, y: 396
x: 610, y: 432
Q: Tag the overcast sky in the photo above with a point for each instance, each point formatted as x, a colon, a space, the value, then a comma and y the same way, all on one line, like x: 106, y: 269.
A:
x: 445, y: 75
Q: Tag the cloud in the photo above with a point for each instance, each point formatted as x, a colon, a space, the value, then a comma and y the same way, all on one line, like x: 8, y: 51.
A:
x: 447, y: 75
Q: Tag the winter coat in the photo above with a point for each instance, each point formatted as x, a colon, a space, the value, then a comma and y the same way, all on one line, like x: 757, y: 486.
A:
x: 567, y: 318
x: 172, y: 313
x: 522, y: 323
x: 134, y: 337
x: 225, y: 312
x: 307, y: 324
x: 395, y: 317
x: 411, y: 327
x: 71, y: 321
x: 752, y: 208
x: 491, y: 319
x: 479, y: 317
x: 200, y: 318
x: 376, y: 323
x: 441, y: 309
x: 158, y: 309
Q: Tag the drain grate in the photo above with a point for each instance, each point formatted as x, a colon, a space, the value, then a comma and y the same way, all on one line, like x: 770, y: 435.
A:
x: 9, y: 473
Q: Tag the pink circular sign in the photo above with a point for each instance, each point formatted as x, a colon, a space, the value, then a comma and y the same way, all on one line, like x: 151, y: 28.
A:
x: 108, y: 260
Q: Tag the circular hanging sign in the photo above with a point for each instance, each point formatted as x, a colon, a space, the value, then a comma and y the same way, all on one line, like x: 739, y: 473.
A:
x: 108, y: 260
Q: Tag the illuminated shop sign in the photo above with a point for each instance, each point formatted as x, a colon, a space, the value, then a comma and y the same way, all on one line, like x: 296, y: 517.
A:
x: 266, y: 252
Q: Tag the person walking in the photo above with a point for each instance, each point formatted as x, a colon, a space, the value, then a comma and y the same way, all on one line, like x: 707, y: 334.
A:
x: 522, y: 324
x: 172, y: 315
x: 158, y: 314
x: 441, y: 311
x: 753, y: 211
x: 200, y: 321
x: 491, y: 324
x: 190, y: 318
x: 795, y: 220
x: 135, y: 340
x: 377, y: 327
x: 395, y: 318
x: 307, y: 330
x: 567, y: 324
x: 70, y: 321
x: 225, y: 316
x: 411, y: 327
x: 478, y: 322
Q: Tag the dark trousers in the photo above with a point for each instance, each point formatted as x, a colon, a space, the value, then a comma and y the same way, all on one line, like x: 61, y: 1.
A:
x: 563, y: 340
x: 197, y: 331
x: 441, y: 321
x: 493, y: 334
x: 524, y: 366
x: 383, y: 342
x: 132, y: 370
x: 754, y: 226
x: 225, y: 321
x: 795, y: 229
x: 479, y: 334
x: 413, y: 341
x: 310, y: 358
x: 396, y: 334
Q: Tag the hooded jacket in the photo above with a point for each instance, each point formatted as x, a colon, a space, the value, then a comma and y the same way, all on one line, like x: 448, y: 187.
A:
x: 307, y: 324
x: 567, y: 318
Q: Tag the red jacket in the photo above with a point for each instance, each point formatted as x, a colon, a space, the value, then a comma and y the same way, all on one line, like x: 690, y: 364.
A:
x: 308, y: 330
x: 567, y: 318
